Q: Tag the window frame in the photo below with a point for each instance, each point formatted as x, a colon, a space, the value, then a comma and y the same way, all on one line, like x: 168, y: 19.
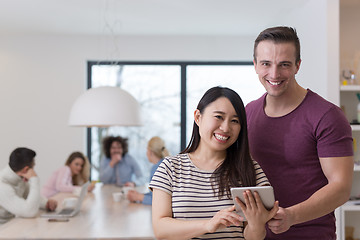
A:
x: 183, y: 73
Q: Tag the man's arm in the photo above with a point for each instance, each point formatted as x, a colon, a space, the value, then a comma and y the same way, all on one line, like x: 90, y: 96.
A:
x: 339, y: 173
x: 20, y: 206
x: 106, y: 171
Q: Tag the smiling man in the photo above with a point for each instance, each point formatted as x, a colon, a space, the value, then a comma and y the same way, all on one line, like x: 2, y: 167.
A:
x: 302, y: 142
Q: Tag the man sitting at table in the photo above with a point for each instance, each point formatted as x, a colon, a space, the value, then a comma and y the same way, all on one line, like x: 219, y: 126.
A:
x: 20, y: 187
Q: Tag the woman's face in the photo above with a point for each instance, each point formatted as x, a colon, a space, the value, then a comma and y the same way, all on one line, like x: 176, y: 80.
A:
x: 149, y: 154
x: 116, y: 148
x: 76, y: 166
x: 219, y: 125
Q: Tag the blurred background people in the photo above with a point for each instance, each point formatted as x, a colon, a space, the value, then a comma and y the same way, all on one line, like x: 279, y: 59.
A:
x: 20, y: 187
x: 70, y: 177
x: 156, y: 152
x: 118, y: 167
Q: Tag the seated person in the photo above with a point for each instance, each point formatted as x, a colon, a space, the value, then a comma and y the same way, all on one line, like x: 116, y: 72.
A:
x: 118, y: 167
x: 156, y: 152
x: 70, y: 177
x: 20, y: 187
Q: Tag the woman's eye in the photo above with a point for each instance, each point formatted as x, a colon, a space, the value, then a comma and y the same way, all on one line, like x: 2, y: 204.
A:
x: 235, y: 121
x: 218, y: 117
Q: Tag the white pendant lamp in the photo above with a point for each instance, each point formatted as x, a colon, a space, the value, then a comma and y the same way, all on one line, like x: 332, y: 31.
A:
x: 105, y: 107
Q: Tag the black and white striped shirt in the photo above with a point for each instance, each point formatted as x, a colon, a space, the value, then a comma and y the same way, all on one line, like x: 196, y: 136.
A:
x: 192, y: 193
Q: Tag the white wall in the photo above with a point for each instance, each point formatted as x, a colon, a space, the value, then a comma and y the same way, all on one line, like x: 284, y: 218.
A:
x: 41, y: 76
x: 317, y: 24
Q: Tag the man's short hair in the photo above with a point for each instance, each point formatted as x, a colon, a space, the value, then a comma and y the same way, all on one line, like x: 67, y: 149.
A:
x: 279, y: 34
x: 20, y: 158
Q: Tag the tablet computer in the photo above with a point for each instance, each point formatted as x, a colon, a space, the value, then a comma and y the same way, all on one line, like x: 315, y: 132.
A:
x: 266, y: 194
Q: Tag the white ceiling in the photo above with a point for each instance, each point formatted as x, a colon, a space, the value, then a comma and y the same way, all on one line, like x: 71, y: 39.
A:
x: 143, y: 17
x: 140, y: 17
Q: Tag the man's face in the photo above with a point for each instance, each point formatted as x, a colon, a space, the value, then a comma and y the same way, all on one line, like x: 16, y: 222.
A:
x: 116, y: 148
x: 26, y: 172
x: 276, y: 66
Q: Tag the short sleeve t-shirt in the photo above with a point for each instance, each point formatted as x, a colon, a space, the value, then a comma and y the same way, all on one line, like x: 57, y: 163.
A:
x: 192, y: 193
x: 288, y: 149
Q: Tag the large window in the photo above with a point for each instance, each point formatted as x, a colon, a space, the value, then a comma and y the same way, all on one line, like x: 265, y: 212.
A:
x: 168, y: 94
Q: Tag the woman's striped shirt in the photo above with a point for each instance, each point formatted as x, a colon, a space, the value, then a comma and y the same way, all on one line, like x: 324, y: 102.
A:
x: 192, y: 193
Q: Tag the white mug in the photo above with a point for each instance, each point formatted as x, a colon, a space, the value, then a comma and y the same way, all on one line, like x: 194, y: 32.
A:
x: 126, y: 189
x: 117, y: 196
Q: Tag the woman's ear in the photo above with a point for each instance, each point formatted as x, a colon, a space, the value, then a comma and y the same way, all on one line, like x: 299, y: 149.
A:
x: 197, y: 116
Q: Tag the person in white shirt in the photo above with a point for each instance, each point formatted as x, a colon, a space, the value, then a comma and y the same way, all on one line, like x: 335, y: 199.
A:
x: 20, y: 187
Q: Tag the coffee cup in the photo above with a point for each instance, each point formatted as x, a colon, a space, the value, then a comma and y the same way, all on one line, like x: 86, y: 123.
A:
x: 126, y: 189
x: 117, y: 196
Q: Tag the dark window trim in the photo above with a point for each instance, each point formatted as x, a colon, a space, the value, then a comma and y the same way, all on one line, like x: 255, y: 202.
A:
x: 182, y: 64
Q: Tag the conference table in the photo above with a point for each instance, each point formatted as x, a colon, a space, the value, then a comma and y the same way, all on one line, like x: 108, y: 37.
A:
x: 100, y: 217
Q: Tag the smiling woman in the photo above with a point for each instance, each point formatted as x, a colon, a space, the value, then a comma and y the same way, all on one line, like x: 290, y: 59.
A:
x: 191, y: 190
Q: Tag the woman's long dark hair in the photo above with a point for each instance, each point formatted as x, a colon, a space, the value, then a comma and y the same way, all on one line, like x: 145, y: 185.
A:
x: 237, y: 168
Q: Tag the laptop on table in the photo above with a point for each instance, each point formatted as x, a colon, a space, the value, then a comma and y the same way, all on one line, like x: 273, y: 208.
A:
x: 69, y: 212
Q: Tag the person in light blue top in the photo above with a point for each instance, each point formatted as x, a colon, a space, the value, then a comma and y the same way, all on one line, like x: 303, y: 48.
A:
x: 118, y: 167
x: 156, y: 152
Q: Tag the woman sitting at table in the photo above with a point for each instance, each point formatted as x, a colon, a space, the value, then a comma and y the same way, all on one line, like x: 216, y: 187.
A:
x: 118, y: 167
x: 70, y: 177
x: 156, y: 152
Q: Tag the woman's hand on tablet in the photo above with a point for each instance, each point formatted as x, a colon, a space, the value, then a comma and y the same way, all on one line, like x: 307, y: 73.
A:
x: 254, y: 210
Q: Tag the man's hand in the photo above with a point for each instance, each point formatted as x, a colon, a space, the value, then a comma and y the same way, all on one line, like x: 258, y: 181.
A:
x: 115, y: 158
x: 281, y: 222
x: 134, y: 196
x: 51, y: 205
x: 27, y: 174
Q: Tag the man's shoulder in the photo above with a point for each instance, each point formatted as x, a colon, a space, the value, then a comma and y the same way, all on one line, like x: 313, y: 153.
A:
x: 255, y: 106
x: 129, y: 160
x: 128, y: 157
x: 319, y: 105
x: 7, y: 187
x: 6, y: 176
x: 316, y: 98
